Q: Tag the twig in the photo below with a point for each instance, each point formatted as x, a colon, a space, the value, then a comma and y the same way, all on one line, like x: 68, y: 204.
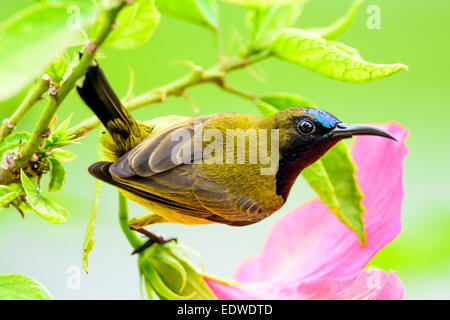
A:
x: 237, y: 91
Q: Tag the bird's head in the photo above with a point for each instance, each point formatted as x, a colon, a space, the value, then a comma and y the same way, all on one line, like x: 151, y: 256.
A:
x: 306, y: 134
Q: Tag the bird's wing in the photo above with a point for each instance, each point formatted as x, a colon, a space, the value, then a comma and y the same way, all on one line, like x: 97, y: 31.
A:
x: 156, y: 153
x: 183, y: 190
x: 141, y: 188
x: 229, y: 205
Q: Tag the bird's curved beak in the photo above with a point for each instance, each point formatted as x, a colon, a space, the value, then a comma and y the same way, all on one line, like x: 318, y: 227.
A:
x: 344, y: 130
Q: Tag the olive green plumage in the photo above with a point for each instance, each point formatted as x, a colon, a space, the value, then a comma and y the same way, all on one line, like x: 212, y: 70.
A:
x: 141, y: 162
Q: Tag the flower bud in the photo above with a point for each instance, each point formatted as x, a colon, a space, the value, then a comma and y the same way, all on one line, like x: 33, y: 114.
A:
x: 168, y: 272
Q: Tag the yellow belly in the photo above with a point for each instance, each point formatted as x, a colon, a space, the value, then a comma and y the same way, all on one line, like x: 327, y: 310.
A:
x: 168, y: 215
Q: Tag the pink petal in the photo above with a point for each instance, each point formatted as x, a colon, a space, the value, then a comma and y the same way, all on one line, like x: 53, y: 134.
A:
x: 371, y: 284
x: 311, y: 243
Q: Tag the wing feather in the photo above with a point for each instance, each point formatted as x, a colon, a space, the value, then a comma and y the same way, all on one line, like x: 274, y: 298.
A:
x: 154, y: 154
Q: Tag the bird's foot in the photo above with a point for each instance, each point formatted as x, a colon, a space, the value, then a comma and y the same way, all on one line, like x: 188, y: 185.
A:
x: 152, y: 239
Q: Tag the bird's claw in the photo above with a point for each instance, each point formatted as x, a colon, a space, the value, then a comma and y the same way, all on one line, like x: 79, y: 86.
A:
x: 152, y: 239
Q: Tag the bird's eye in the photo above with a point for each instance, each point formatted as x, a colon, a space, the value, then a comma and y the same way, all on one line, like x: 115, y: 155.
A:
x: 306, y: 127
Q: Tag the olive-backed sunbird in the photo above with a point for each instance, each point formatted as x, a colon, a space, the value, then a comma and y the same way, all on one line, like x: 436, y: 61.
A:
x: 221, y: 185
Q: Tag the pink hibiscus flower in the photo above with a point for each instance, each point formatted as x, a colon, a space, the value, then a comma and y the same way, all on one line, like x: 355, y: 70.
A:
x: 309, y: 254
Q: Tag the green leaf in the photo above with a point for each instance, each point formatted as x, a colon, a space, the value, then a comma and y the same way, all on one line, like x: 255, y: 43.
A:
x: 4, y: 190
x: 10, y: 194
x: 201, y: 12
x: 45, y: 208
x: 60, y: 131
x: 272, y: 103
x: 20, y: 287
x: 333, y: 179
x: 58, y: 68
x: 266, y: 22
x: 60, y: 136
x: 89, y: 241
x: 62, y: 155
x: 310, y: 51
x: 135, y: 25
x: 13, y: 141
x: 266, y: 109
x: 347, y: 49
x: 8, y: 198
x: 57, y: 175
x: 15, y: 137
x: 283, y: 101
x: 29, y: 41
x: 262, y: 3
x: 336, y: 29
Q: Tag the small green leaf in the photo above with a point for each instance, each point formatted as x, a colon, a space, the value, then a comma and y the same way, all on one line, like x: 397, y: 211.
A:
x: 310, y: 51
x: 13, y: 141
x: 15, y: 137
x: 20, y: 287
x: 8, y: 198
x: 57, y: 175
x: 58, y: 68
x: 333, y: 179
x: 62, y: 155
x: 266, y: 22
x: 60, y: 136
x: 283, y: 101
x: 89, y: 241
x: 262, y: 3
x: 45, y: 208
x: 201, y: 12
x: 135, y: 25
x: 266, y: 109
x: 60, y: 131
x: 336, y: 29
x: 4, y: 190
x: 29, y: 41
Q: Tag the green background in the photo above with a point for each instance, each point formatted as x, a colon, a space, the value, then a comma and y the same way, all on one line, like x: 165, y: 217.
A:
x: 412, y: 32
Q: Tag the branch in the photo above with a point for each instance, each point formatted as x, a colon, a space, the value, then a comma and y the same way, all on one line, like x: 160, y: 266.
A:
x: 215, y: 74
x: 57, y: 95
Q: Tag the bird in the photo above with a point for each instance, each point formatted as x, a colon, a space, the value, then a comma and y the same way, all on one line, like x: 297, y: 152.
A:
x: 152, y: 165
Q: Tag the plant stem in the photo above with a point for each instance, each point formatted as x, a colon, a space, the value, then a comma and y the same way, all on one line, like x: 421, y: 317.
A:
x: 40, y: 132
x: 131, y: 236
x: 197, y: 76
x: 30, y: 100
x: 238, y: 91
x: 108, y: 17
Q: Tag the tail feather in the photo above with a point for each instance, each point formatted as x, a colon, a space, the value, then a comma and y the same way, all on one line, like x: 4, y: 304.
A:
x: 102, y: 100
